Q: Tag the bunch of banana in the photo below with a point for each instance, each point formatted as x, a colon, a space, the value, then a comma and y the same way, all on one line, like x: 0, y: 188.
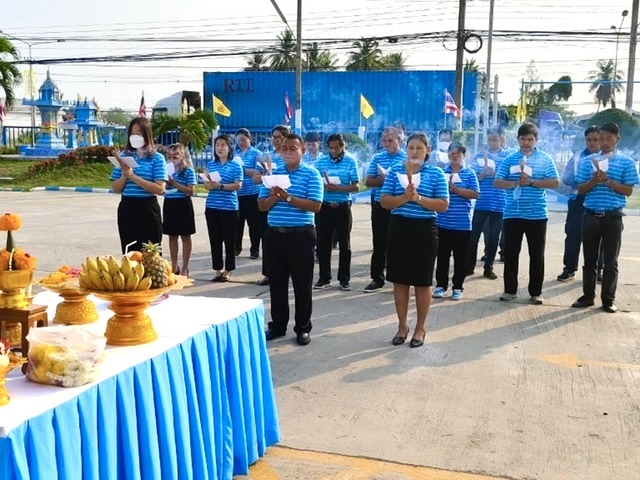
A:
x: 107, y: 273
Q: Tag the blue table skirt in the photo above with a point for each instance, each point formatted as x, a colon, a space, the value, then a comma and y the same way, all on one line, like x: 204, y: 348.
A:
x: 204, y: 409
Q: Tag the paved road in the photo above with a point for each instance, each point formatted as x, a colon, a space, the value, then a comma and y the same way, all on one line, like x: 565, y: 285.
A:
x: 509, y: 390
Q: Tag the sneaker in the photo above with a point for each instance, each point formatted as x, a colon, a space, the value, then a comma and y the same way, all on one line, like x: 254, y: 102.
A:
x: 345, y: 287
x: 320, y: 284
x: 583, y: 302
x: 507, y: 297
x: 373, y: 287
x: 439, y: 292
x: 566, y: 275
x: 488, y: 273
x: 536, y: 300
x: 456, y: 295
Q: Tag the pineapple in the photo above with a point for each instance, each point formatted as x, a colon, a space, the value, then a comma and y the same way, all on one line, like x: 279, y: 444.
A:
x: 154, y: 265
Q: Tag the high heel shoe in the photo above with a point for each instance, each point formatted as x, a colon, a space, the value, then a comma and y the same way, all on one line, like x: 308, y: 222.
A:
x: 399, y: 339
x: 176, y: 270
x: 415, y: 343
x: 185, y: 272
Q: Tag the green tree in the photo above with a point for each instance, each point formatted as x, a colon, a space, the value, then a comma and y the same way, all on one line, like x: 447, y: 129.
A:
x: 605, y: 83
x: 629, y: 127
x: 471, y: 66
x: 561, y: 90
x: 193, y: 128
x: 319, y: 60
x: 256, y: 63
x: 366, y: 55
x: 284, y: 58
x: 117, y: 116
x: 10, y: 76
x: 393, y: 61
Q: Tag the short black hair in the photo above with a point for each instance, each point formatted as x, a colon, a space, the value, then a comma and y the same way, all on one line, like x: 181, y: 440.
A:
x: 336, y: 137
x: 312, y: 137
x: 610, y: 128
x: 283, y: 129
x: 528, y: 129
x: 227, y: 139
x: 495, y: 131
x: 591, y: 129
x: 457, y: 146
x: 294, y: 136
x: 245, y: 132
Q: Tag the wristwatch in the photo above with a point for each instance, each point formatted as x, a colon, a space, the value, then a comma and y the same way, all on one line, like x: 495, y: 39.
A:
x: 221, y: 187
x: 289, y: 198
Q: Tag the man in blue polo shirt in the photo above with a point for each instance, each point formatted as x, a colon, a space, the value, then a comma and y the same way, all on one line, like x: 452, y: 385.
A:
x: 525, y: 175
x: 376, y: 175
x: 340, y: 176
x: 290, y: 239
x: 606, y: 179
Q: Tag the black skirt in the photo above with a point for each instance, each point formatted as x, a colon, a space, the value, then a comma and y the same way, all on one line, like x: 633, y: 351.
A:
x: 412, y: 248
x: 178, y: 217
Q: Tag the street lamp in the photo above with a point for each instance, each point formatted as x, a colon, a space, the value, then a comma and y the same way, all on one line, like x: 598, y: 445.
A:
x: 31, y: 84
x: 617, y: 30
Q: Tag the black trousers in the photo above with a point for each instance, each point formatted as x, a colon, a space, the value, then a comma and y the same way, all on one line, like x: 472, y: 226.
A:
x: 221, y: 225
x: 605, y: 234
x: 456, y: 241
x: 536, y: 233
x: 489, y: 223
x: 291, y: 255
x: 573, y: 238
x: 264, y: 224
x: 379, y: 228
x: 139, y: 221
x: 248, y: 212
x: 332, y: 220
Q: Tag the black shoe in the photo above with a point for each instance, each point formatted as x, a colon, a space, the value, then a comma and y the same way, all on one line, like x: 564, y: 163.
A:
x: 320, y: 284
x: 609, y: 307
x: 566, y: 275
x: 501, y: 258
x: 373, y: 287
x: 399, y: 340
x: 345, y: 287
x: 334, y: 246
x: 238, y: 252
x: 599, y: 277
x: 415, y: 343
x: 271, y: 334
x: 303, y: 339
x: 254, y: 255
x: 483, y: 258
x: 263, y: 282
x: 488, y: 273
x: 469, y: 273
x: 583, y: 302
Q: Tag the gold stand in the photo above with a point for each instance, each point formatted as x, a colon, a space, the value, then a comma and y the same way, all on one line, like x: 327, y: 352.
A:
x: 12, y: 285
x: 76, y: 309
x: 14, y: 361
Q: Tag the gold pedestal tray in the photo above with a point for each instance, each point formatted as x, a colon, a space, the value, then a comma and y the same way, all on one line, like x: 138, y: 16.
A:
x: 12, y: 288
x: 14, y: 361
x: 130, y: 325
x: 75, y: 309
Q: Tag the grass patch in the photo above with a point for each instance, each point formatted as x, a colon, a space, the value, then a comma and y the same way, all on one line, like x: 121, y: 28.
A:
x: 93, y: 175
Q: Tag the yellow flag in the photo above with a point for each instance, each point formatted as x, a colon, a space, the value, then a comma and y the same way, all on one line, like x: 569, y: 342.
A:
x: 365, y: 107
x: 521, y: 109
x: 29, y: 81
x: 220, y: 108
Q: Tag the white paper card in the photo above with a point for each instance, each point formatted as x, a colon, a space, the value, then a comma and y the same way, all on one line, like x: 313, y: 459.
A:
x: 404, y: 181
x: 490, y: 163
x: 527, y: 170
x: 603, y: 164
x: 383, y: 171
x: 332, y: 180
x: 515, y: 169
x: 171, y: 169
x: 128, y: 161
x: 281, y: 181
x: 204, y: 177
x: 215, y: 177
x: 453, y: 178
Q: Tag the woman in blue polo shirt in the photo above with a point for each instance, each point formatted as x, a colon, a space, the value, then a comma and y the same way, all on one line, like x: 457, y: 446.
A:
x: 222, y: 206
x: 413, y: 235
x: 139, y: 217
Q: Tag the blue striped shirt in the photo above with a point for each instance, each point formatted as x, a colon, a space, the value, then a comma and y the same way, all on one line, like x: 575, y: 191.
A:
x: 346, y: 170
x: 230, y: 172
x: 601, y: 198
x: 276, y: 162
x: 307, y: 159
x: 150, y: 168
x: 532, y: 204
x: 185, y: 177
x: 458, y: 215
x: 433, y: 184
x: 249, y: 160
x: 305, y: 183
x: 385, y: 160
x: 491, y: 199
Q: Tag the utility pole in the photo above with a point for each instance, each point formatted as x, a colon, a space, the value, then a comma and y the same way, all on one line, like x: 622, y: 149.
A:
x: 633, y: 40
x: 298, y: 121
x: 488, y: 84
x: 495, y: 101
x: 457, y: 93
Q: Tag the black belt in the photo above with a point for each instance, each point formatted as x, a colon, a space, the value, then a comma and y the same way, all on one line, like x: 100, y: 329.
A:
x: 336, y: 204
x: 304, y: 228
x: 610, y: 213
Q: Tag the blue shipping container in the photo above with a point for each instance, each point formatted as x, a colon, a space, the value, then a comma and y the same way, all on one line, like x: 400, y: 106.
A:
x: 331, y: 100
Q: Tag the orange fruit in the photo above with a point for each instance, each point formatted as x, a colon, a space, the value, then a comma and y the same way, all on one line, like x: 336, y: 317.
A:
x: 135, y: 256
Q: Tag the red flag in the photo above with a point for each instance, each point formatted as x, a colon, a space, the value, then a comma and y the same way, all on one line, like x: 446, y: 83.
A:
x: 3, y: 114
x: 142, y: 111
x: 449, y: 105
x: 288, y: 111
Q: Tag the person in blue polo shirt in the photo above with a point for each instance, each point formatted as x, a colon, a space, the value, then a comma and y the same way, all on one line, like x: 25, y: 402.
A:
x: 605, y: 179
x: 248, y: 195
x: 312, y: 152
x: 221, y: 210
x: 525, y: 175
x: 487, y: 213
x: 139, y: 217
x: 340, y: 176
x: 454, y: 225
x: 413, y: 233
x: 290, y: 240
x: 376, y: 175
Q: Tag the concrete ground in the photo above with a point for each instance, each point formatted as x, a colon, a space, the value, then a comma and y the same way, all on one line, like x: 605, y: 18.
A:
x: 500, y: 389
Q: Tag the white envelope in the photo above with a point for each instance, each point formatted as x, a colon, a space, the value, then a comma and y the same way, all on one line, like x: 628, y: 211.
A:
x: 515, y: 169
x: 171, y: 169
x: 215, y: 177
x: 603, y: 164
x: 282, y: 181
x: 528, y: 170
x: 453, y: 177
x: 383, y: 171
x: 404, y: 181
x: 490, y: 163
x: 128, y: 161
x: 332, y: 180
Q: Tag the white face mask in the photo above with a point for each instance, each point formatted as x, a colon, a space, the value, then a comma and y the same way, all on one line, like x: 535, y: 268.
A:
x: 136, y: 141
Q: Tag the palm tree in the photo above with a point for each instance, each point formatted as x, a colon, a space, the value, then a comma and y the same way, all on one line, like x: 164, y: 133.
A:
x: 365, y: 56
x: 284, y: 57
x: 193, y: 128
x: 470, y: 65
x: 256, y: 63
x: 10, y: 76
x: 393, y: 61
x: 605, y: 83
x: 320, y: 60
